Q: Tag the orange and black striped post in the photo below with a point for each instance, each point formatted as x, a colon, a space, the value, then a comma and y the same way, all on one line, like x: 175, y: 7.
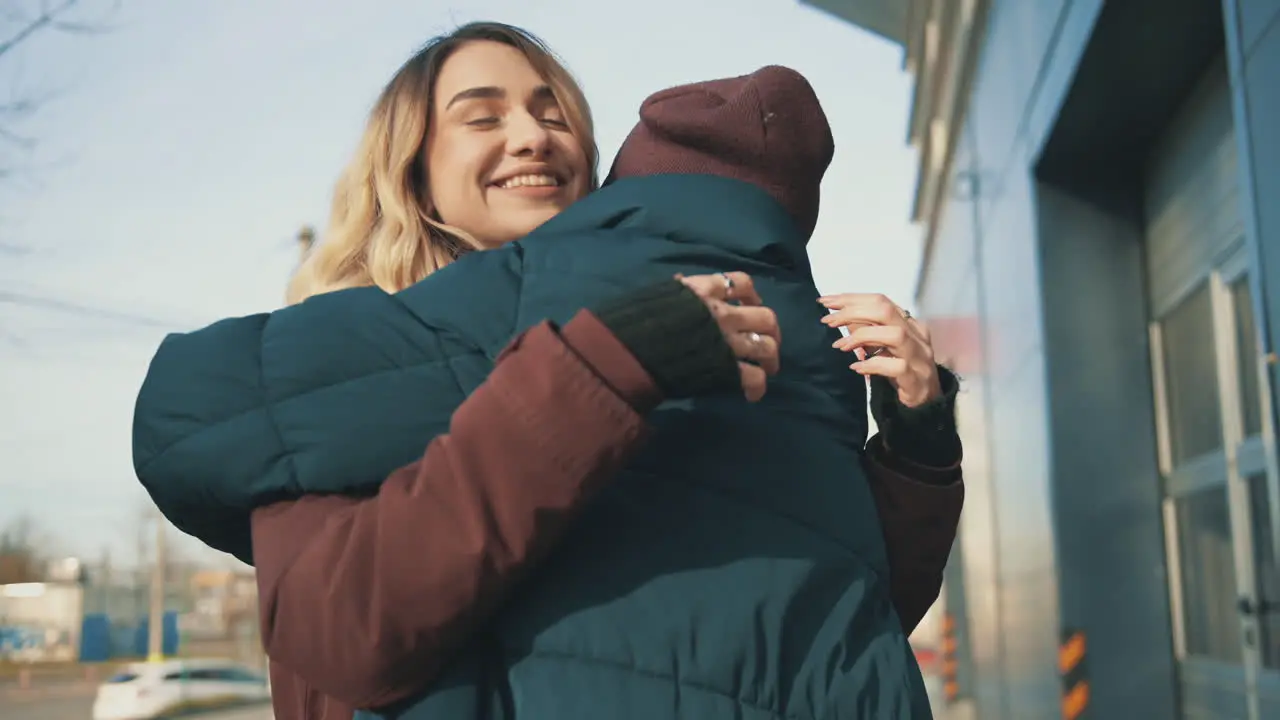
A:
x: 950, y: 683
x: 1072, y: 653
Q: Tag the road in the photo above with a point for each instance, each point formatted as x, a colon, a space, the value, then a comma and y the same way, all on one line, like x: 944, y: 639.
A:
x: 78, y: 707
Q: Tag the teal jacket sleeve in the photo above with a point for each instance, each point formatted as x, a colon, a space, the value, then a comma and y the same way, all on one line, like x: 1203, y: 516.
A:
x: 328, y: 396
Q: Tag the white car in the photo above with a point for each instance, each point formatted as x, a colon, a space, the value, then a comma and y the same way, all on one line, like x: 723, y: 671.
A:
x: 146, y: 691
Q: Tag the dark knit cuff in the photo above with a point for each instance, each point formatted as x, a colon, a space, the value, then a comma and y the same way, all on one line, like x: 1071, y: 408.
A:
x: 925, y: 435
x: 673, y: 335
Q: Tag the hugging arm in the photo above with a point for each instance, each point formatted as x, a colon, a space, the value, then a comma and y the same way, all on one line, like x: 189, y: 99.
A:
x: 913, y: 466
x: 364, y: 600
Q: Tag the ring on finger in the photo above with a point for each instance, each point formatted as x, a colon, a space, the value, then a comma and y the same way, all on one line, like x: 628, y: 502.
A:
x: 906, y: 314
x: 753, y: 345
x: 728, y: 285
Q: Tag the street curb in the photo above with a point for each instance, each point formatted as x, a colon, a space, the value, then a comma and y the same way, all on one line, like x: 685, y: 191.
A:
x: 48, y: 692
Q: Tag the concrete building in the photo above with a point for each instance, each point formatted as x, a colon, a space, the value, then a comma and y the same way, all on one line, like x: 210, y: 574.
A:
x: 40, y: 622
x: 1098, y: 192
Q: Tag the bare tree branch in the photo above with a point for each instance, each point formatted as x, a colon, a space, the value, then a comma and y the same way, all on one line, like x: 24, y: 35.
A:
x: 22, y: 141
x: 18, y: 108
x: 22, y: 550
x: 20, y: 22
x: 47, y: 17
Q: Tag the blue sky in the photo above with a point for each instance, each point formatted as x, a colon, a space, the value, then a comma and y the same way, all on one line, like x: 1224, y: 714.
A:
x: 182, y: 151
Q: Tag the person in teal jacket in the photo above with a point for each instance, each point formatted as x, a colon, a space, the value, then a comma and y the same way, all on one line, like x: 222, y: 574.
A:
x: 736, y: 567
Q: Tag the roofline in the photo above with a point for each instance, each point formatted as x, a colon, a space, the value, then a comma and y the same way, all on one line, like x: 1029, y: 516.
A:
x: 943, y: 61
x: 941, y: 41
x: 881, y: 18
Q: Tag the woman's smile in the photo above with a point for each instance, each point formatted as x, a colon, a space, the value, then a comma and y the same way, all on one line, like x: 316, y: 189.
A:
x: 533, y: 184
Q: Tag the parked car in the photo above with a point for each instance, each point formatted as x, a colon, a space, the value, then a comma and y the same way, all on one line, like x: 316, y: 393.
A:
x: 147, y: 691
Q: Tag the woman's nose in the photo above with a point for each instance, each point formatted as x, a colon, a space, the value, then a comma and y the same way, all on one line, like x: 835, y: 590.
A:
x: 526, y: 135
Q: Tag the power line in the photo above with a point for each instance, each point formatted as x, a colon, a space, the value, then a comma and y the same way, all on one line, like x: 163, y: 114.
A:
x: 84, y: 311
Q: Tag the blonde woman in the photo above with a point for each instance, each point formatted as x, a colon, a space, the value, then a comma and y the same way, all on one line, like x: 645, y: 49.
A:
x: 479, y: 139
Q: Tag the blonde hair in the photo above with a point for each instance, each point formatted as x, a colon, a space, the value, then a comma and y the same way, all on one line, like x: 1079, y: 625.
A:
x: 381, y: 227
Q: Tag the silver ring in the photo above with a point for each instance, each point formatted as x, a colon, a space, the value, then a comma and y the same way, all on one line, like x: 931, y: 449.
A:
x: 755, y: 338
x: 906, y: 314
x: 728, y: 284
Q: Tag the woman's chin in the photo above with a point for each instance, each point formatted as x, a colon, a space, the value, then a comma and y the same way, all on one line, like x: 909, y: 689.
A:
x: 525, y: 221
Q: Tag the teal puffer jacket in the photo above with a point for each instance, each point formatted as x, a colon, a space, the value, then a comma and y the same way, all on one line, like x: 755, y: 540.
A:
x: 736, y: 568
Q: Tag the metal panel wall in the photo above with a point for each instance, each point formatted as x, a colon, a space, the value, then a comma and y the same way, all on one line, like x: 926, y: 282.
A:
x: 1254, y: 55
x: 952, y: 293
x: 1192, y: 194
x: 1253, y: 40
x: 1106, y: 489
x: 984, y: 263
x: 1193, y: 222
x: 1039, y: 529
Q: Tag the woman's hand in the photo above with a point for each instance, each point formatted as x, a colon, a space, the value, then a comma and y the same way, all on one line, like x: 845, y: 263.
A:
x: 750, y: 328
x: 887, y: 342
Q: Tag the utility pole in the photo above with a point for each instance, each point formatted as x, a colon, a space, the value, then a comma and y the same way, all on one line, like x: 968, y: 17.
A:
x: 155, y: 630
x: 138, y: 592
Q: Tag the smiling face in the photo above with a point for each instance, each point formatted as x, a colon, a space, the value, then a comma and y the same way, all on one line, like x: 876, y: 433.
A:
x: 500, y: 156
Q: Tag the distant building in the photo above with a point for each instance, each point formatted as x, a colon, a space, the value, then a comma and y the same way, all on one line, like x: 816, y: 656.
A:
x: 225, y: 605
x: 18, y: 567
x: 1097, y: 186
x: 40, y: 622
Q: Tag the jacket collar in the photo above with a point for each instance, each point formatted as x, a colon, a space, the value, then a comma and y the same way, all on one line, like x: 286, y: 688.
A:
x: 706, y: 209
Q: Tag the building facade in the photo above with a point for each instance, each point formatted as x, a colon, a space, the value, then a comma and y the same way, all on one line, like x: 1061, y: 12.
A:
x: 1099, y: 186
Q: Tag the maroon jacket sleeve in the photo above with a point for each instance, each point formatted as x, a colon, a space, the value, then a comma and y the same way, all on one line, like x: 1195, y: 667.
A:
x: 364, y: 598
x: 919, y: 510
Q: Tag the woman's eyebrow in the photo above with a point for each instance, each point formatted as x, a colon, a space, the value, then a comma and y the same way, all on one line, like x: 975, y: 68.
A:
x: 477, y: 93
x: 492, y: 92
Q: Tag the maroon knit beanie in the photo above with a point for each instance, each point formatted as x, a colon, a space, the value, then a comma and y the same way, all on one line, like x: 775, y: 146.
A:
x: 766, y: 128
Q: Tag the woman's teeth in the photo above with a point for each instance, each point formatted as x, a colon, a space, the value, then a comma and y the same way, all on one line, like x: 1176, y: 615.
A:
x: 529, y: 181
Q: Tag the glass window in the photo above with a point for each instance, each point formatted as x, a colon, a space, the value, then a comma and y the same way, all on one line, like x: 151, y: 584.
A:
x: 1191, y: 369
x: 238, y: 675
x: 1247, y: 357
x: 1208, y: 575
x: 1267, y: 571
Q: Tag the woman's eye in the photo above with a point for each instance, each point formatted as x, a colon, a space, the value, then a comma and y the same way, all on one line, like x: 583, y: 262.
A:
x: 555, y: 122
x: 483, y: 121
